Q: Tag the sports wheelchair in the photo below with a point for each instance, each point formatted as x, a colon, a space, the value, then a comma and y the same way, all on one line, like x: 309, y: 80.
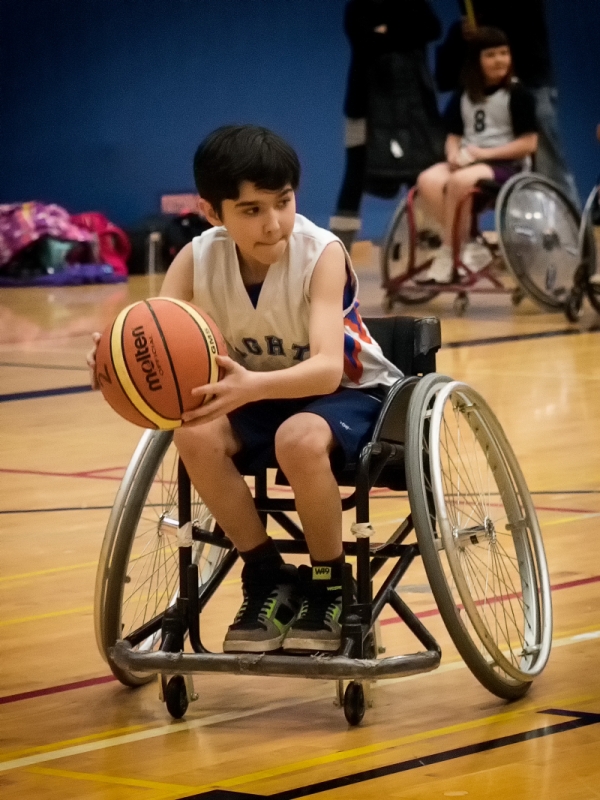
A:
x: 586, y: 281
x: 163, y: 557
x: 536, y: 240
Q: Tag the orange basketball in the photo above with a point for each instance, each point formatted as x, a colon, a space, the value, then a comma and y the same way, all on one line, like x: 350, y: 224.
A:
x: 152, y: 356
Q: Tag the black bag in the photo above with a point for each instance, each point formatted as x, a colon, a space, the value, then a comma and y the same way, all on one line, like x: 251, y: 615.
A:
x: 405, y: 134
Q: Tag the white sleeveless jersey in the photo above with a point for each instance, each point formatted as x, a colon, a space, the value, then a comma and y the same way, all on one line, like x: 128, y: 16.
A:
x: 487, y: 123
x: 274, y: 335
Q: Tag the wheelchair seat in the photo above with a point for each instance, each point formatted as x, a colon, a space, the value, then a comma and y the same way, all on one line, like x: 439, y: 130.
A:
x: 164, y: 557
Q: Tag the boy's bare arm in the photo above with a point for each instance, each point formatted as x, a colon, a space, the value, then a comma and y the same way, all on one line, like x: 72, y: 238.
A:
x: 319, y: 374
x: 179, y: 280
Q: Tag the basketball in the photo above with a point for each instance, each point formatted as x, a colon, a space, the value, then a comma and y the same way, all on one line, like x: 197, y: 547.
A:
x: 151, y: 357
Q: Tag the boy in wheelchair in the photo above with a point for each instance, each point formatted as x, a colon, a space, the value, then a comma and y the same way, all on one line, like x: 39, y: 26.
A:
x: 492, y: 132
x: 303, y: 385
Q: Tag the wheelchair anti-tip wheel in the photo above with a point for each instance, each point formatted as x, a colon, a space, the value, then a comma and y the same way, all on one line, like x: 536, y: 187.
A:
x: 538, y: 231
x: 406, y: 249
x: 478, y: 535
x: 138, y: 572
x: 354, y: 703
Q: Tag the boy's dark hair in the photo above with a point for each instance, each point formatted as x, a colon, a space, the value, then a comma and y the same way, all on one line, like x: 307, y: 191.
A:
x: 236, y: 153
x: 472, y: 77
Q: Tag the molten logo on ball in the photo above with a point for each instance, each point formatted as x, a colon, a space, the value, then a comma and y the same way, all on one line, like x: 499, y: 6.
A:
x: 142, y: 356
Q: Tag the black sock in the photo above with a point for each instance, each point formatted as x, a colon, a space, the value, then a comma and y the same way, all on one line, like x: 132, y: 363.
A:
x: 341, y: 559
x: 265, y: 554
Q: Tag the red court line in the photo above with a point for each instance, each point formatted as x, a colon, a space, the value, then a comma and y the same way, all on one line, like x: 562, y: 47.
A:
x: 47, y: 473
x: 65, y: 687
x: 432, y: 612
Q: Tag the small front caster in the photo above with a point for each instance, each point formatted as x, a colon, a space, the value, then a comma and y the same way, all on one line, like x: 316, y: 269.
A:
x: 354, y: 703
x: 176, y: 696
x: 517, y: 296
x: 574, y: 305
x: 461, y: 303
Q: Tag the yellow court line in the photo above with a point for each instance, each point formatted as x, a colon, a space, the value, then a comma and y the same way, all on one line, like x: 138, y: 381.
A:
x: 50, y: 748
x: 49, y: 615
x: 564, y: 520
x: 64, y: 749
x: 49, y: 571
x: 89, y: 776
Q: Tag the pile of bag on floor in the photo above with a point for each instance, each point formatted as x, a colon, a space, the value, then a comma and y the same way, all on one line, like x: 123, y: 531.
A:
x: 43, y: 245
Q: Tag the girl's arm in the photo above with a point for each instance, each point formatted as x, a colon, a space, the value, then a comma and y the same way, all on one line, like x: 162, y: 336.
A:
x: 519, y: 148
x: 452, y: 149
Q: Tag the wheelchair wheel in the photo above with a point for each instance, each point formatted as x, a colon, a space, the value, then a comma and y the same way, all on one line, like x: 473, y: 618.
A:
x: 138, y: 572
x: 478, y: 535
x: 590, y: 223
x: 538, y: 230
x: 403, y: 251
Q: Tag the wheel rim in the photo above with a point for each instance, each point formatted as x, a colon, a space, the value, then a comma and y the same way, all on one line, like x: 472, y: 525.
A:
x: 398, y: 260
x: 151, y: 580
x: 490, y: 534
x: 539, y: 238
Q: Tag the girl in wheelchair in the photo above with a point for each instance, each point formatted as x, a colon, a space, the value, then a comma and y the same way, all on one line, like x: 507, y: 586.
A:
x: 492, y: 132
x: 305, y: 381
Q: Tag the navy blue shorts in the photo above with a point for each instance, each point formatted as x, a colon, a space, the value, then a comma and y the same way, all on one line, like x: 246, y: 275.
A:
x: 350, y: 413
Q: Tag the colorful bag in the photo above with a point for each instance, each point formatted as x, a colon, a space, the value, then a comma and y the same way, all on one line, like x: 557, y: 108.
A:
x: 113, y: 245
x: 21, y: 224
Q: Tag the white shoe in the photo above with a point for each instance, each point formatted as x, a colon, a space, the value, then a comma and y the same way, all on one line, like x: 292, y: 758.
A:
x: 440, y: 269
x: 475, y: 256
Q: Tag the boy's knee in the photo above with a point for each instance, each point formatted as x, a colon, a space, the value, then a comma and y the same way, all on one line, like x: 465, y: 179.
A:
x: 212, y: 440
x: 300, y: 448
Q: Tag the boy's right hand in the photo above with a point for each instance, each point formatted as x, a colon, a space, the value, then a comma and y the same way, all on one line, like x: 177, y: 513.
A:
x: 91, y: 360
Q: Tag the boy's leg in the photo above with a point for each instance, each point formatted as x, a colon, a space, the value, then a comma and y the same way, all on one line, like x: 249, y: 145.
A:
x: 303, y: 444
x: 269, y: 586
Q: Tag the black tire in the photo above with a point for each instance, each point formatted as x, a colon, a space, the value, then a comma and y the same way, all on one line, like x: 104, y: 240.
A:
x: 176, y: 698
x: 395, y: 264
x: 354, y: 703
x: 483, y: 660
x: 144, y: 517
x: 538, y: 232
x: 574, y: 305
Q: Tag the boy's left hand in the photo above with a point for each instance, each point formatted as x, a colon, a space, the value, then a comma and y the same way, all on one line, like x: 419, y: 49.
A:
x: 235, y: 389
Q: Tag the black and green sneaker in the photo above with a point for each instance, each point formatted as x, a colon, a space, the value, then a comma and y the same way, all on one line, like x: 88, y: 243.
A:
x: 271, y: 604
x: 318, y: 628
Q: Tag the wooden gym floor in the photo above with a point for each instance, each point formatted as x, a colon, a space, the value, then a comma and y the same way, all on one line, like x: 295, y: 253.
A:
x: 69, y: 730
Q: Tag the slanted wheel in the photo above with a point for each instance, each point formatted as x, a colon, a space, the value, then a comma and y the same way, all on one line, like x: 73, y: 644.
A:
x: 404, y: 250
x: 176, y: 697
x: 538, y: 229
x: 478, y: 535
x: 138, y: 572
x: 354, y: 703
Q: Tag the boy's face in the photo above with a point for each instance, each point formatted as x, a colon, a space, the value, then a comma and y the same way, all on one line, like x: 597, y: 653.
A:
x: 259, y: 221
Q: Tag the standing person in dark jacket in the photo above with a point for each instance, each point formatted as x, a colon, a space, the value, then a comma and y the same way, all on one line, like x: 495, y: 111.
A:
x: 375, y: 29
x: 524, y: 23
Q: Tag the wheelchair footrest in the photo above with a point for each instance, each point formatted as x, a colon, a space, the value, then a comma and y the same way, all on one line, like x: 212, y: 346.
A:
x: 316, y: 666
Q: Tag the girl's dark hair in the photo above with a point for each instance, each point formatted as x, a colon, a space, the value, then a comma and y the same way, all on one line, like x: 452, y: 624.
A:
x: 472, y: 77
x: 236, y: 153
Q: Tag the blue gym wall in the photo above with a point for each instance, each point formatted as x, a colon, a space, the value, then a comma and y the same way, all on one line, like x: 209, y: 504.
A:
x: 102, y: 102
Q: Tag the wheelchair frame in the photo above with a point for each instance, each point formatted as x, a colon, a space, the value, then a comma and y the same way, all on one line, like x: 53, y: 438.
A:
x: 403, y: 288
x: 412, y: 345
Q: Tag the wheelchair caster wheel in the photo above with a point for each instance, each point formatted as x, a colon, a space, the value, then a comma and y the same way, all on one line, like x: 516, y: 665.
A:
x: 176, y: 697
x: 517, y: 296
x: 461, y: 303
x: 354, y: 703
x: 388, y: 303
x: 574, y: 306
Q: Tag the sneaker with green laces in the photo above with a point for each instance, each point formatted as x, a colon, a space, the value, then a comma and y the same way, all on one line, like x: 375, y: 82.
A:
x: 318, y: 628
x: 271, y: 604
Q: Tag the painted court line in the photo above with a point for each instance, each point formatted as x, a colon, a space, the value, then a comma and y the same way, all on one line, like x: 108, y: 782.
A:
x: 177, y: 727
